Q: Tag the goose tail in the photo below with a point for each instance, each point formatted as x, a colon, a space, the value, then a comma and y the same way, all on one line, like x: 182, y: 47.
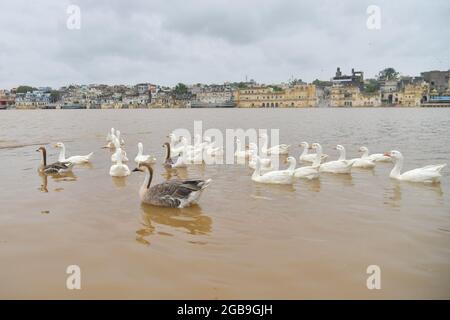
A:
x: 439, y: 167
x: 205, y: 184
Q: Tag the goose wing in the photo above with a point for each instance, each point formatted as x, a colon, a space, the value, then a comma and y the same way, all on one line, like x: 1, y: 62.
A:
x: 423, y: 174
x: 170, y: 193
x: 433, y: 167
x: 57, y: 167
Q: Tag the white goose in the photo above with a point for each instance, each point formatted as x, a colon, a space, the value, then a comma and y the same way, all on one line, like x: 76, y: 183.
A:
x: 110, y: 135
x: 179, y: 161
x: 110, y: 139
x: 427, y: 174
x: 174, y: 147
x: 338, y: 166
x: 198, y: 143
x: 309, y: 172
x: 115, y: 155
x: 196, y: 156
x: 119, y: 169
x: 278, y: 149
x: 143, y: 157
x: 275, y: 177
x: 363, y: 162
x: 240, y: 152
x: 73, y: 159
x: 266, y: 163
x: 211, y: 149
x: 310, y: 157
x: 184, y: 146
x: 377, y: 157
x: 122, y: 142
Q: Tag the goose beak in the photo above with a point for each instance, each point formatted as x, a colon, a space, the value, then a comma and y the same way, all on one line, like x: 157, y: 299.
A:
x: 387, y: 154
x: 37, y: 150
x: 136, y: 170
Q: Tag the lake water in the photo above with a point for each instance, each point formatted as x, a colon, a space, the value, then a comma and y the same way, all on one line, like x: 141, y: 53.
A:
x: 244, y: 240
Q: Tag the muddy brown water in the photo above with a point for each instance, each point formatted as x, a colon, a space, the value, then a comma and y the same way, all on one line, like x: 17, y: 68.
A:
x: 244, y: 240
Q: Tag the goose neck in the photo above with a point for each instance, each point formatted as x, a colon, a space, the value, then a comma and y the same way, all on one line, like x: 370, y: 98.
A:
x: 396, y: 171
x: 257, y: 171
x: 342, y: 155
x: 305, y: 150
x: 44, y: 157
x: 62, y: 153
x: 119, y: 156
x: 292, y: 164
x: 167, y: 150
x: 148, y: 178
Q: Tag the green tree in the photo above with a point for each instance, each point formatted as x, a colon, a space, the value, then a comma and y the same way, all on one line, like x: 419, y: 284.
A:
x: 295, y: 82
x: 371, y: 86
x: 24, y: 89
x: 180, y: 88
x: 388, y: 74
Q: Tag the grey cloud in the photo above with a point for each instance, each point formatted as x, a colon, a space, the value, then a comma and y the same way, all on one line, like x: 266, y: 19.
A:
x: 216, y: 40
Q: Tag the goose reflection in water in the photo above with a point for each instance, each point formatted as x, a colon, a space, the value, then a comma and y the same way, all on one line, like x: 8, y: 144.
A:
x: 272, y: 191
x: 394, y: 196
x: 432, y: 192
x: 191, y: 220
x: 312, y: 185
x: 178, y: 173
x: 86, y: 165
x: 61, y: 177
x: 343, y: 179
x: 119, y: 182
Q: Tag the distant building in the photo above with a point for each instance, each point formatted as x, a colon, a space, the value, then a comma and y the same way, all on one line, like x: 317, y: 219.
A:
x: 412, y: 95
x: 145, y: 89
x: 438, y: 80
x: 352, y: 96
x: 273, y: 97
x: 168, y: 99
x: 7, y: 99
x: 212, y: 96
x: 356, y: 79
x: 388, y: 88
x: 37, y: 99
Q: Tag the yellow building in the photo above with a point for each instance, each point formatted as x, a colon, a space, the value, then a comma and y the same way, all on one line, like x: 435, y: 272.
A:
x: 268, y: 97
x: 351, y: 96
x: 412, y: 95
x: 30, y: 105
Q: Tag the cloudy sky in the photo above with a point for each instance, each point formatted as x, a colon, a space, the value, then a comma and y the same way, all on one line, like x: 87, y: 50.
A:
x: 213, y: 41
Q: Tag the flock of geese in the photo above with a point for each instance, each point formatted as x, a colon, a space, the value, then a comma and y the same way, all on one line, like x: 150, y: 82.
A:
x: 180, y: 193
